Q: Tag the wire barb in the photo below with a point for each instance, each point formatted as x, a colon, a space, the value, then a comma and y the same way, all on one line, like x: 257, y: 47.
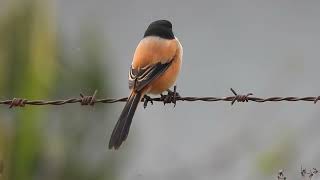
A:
x: 17, y: 102
x: 88, y: 100
x: 171, y: 97
x: 239, y: 98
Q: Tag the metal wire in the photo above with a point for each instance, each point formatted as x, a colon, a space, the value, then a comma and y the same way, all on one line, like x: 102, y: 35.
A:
x: 303, y: 172
x: 170, y: 98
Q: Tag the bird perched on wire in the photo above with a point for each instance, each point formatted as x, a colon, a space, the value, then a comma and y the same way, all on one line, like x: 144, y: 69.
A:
x: 155, y: 67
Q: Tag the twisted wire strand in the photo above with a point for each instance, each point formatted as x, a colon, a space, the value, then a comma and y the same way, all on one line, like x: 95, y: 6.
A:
x: 91, y: 100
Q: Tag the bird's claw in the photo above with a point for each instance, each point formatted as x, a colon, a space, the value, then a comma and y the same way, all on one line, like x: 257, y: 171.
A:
x: 147, y: 99
x: 171, y: 97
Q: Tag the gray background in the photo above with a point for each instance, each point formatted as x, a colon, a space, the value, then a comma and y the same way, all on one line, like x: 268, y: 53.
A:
x: 269, y: 48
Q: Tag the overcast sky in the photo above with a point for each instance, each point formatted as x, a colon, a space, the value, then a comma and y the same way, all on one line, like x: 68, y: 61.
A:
x: 269, y: 48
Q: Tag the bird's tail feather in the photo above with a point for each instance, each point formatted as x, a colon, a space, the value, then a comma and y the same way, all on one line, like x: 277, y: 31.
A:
x: 121, y: 130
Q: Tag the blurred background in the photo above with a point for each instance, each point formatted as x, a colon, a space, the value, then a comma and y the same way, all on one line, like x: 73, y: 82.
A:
x: 55, y: 49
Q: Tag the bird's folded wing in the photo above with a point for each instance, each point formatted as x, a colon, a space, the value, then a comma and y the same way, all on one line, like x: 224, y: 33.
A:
x: 140, y: 78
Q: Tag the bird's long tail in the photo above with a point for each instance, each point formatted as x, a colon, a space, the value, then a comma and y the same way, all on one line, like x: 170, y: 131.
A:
x: 121, y: 130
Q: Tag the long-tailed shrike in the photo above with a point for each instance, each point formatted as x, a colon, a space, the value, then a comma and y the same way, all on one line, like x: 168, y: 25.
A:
x: 155, y: 67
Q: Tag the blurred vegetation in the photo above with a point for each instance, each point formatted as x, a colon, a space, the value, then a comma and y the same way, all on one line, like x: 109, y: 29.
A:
x: 277, y: 156
x: 47, y: 143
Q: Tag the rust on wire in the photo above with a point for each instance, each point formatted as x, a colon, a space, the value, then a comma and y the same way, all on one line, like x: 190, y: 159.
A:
x: 239, y: 98
x: 17, y: 102
x: 88, y: 100
x: 171, y: 97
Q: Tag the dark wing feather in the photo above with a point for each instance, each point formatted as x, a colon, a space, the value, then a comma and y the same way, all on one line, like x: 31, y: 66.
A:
x: 138, y: 79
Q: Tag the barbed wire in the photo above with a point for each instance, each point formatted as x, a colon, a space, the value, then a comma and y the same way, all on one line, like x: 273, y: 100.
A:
x: 171, y: 97
x: 304, y: 173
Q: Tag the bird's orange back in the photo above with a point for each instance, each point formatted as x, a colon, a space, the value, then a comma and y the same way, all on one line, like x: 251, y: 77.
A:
x: 152, y: 50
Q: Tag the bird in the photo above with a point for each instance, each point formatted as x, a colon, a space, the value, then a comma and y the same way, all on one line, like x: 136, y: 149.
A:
x: 155, y: 67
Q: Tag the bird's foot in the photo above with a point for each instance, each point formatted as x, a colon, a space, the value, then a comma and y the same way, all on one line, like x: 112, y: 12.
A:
x: 147, y: 99
x: 171, y: 97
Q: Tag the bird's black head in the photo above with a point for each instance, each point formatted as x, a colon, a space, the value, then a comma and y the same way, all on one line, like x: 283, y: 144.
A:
x: 161, y: 28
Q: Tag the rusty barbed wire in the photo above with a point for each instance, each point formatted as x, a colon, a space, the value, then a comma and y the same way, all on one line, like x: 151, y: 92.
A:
x: 172, y: 97
x: 304, y: 173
